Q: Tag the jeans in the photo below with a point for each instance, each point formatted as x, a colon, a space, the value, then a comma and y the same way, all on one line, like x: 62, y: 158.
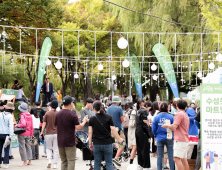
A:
x: 22, y: 100
x: 6, y: 156
x: 160, y: 148
x: 103, y: 150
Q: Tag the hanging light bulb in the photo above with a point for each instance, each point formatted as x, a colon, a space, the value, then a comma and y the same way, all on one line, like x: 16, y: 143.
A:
x: 155, y: 77
x: 122, y: 43
x: 179, y: 64
x: 196, y: 59
x: 71, y: 63
x: 114, y: 77
x: 216, y: 51
x: 153, y: 67
x: 209, y: 55
x: 76, y: 76
x: 183, y: 65
x: 58, y: 65
x: 33, y: 61
x: 211, y: 66
x: 201, y: 56
x: 191, y: 63
x: 124, y: 73
x: 100, y: 67
x: 12, y: 58
x: 50, y: 72
x: 199, y: 74
x: 58, y: 74
x: 70, y: 74
x: 161, y: 75
x: 125, y: 63
x: 186, y: 65
x: 48, y: 62
x: 11, y: 62
x: 85, y: 78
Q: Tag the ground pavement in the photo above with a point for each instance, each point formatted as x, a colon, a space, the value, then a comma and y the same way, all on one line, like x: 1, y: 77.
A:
x: 42, y: 162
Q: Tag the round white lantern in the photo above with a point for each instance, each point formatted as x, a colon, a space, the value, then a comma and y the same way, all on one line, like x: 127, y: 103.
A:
x: 58, y: 65
x: 153, y: 67
x: 48, y: 62
x: 125, y: 63
x: 199, y: 74
x: 155, y: 77
x: 122, y: 43
x: 76, y: 76
x: 219, y: 57
x: 100, y: 67
x: 211, y: 66
x: 114, y: 77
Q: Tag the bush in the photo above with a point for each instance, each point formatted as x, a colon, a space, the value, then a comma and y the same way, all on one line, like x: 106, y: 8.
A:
x: 16, y: 111
x: 79, y: 106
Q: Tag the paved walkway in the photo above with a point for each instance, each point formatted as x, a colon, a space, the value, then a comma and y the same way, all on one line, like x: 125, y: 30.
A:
x: 42, y: 162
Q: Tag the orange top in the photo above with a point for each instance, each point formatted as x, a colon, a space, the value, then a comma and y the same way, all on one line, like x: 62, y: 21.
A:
x: 208, y: 159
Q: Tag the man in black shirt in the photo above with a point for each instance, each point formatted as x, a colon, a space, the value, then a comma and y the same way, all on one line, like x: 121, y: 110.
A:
x: 134, y: 97
x: 41, y: 113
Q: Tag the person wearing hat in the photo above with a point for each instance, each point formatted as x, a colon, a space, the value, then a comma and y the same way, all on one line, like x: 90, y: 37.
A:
x: 117, y: 114
x: 132, y: 131
x: 67, y: 123
x: 87, y: 112
x: 6, y: 131
x: 51, y: 134
x: 24, y: 138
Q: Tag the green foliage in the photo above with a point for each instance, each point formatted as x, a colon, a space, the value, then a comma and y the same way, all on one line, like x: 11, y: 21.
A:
x: 79, y: 106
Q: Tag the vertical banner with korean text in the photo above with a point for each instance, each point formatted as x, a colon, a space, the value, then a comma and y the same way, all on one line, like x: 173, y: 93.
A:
x: 211, y: 126
x: 164, y: 59
x: 135, y: 71
x: 45, y: 50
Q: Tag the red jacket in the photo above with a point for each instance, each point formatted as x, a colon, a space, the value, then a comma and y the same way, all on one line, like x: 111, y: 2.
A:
x: 26, y: 121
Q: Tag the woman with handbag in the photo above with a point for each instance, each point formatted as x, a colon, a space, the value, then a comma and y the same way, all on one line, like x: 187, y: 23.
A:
x: 163, y: 136
x: 142, y: 134
x: 24, y: 138
x: 100, y: 139
x: 36, y: 127
x: 132, y: 132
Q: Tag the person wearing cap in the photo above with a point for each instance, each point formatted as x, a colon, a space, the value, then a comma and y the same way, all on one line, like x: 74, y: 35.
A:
x: 51, y: 134
x: 67, y: 122
x: 132, y: 131
x: 6, y: 131
x: 87, y: 112
x: 24, y: 138
x: 117, y: 114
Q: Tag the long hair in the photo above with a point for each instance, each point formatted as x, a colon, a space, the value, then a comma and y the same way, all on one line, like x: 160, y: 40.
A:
x: 155, y: 108
x: 34, y: 112
x: 139, y: 101
x: 126, y: 107
x: 98, y: 106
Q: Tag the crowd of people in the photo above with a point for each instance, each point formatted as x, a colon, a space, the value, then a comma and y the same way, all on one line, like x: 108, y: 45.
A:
x: 159, y: 129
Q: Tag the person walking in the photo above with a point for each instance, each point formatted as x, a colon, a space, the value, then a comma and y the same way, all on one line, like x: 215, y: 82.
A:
x: 51, y: 134
x: 117, y: 114
x: 100, y: 140
x: 67, y: 122
x: 47, y: 91
x: 181, y: 140
x: 24, y: 138
x: 36, y: 125
x: 132, y: 131
x: 6, y: 132
x: 163, y: 137
x: 142, y: 136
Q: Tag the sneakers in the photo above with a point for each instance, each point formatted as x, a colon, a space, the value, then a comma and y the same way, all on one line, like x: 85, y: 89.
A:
x: 116, y: 162
x: 49, y: 165
x: 55, y: 166
x: 7, y: 142
x: 165, y: 167
x: 6, y: 166
x: 140, y: 167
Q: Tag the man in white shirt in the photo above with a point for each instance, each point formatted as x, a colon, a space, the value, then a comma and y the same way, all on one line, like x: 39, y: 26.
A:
x: 20, y: 94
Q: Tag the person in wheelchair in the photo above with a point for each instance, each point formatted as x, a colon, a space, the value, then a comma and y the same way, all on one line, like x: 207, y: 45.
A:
x: 100, y: 139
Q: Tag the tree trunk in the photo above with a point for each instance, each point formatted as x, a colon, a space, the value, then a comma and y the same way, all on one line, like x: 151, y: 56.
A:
x: 72, y: 88
x: 31, y: 91
x: 64, y: 88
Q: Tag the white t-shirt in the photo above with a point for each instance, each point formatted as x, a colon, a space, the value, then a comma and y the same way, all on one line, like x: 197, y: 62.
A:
x: 36, y: 122
x: 20, y: 94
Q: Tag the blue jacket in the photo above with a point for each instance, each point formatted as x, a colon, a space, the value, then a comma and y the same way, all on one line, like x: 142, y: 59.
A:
x: 193, y: 130
x: 6, y: 123
x: 160, y: 133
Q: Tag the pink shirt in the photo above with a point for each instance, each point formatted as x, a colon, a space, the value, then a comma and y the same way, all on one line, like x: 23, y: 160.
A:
x: 26, y: 121
x: 181, y: 132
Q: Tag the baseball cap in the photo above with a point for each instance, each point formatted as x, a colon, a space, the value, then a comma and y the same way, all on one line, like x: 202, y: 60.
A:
x: 54, y: 104
x: 67, y: 100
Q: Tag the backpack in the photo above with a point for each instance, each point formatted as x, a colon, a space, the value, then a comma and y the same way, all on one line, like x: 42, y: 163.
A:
x: 126, y: 119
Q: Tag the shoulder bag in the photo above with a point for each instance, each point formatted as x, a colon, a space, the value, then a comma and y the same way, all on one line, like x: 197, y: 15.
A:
x: 147, y: 129
x: 113, y: 139
x: 19, y: 130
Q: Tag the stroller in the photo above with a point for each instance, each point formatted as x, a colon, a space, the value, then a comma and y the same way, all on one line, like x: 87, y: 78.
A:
x: 82, y: 140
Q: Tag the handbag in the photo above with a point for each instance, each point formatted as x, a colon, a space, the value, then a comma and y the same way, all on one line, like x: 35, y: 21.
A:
x: 19, y: 130
x: 113, y: 139
x: 147, y: 129
x: 33, y: 142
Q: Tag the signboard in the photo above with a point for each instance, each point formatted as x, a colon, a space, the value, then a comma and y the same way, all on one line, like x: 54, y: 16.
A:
x: 164, y: 59
x: 211, y: 126
x: 135, y: 71
x: 45, y: 50
x: 8, y: 94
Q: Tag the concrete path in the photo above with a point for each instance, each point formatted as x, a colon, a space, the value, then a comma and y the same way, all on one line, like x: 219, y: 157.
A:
x: 42, y: 162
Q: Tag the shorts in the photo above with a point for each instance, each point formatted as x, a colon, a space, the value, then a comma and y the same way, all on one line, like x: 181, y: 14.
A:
x: 180, y: 149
